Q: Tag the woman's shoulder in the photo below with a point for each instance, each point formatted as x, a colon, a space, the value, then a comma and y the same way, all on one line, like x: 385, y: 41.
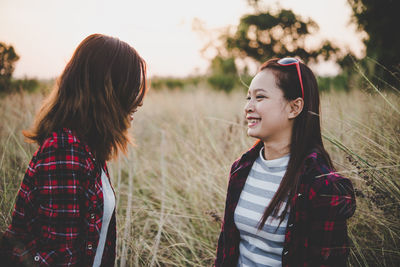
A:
x: 61, y: 138
x: 248, y: 157
x: 64, y: 146
x: 318, y: 171
x: 328, y: 187
x: 315, y: 162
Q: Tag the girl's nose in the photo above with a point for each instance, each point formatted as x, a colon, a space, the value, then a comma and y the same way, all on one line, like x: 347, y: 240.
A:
x: 249, y: 107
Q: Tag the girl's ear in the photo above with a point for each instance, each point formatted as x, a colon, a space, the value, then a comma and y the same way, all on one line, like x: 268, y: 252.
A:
x: 296, y: 106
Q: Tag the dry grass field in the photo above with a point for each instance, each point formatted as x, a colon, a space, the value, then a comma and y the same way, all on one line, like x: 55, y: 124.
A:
x: 171, y: 185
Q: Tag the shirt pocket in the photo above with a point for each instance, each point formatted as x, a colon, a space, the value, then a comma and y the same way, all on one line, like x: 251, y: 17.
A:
x: 58, y: 223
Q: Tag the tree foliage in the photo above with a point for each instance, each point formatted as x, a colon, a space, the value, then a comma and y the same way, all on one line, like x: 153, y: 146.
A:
x: 379, y: 19
x: 266, y: 35
x: 8, y: 58
x: 223, y: 73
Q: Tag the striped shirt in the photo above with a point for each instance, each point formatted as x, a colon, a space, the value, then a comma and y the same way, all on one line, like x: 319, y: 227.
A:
x: 261, y: 247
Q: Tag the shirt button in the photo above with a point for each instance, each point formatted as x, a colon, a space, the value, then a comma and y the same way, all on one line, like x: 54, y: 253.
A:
x: 36, y: 258
x: 89, y: 246
x: 290, y: 225
x: 299, y: 194
x: 92, y: 216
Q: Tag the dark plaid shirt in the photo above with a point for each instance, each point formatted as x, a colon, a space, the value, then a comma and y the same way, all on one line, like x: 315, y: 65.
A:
x: 316, y: 232
x: 59, y: 207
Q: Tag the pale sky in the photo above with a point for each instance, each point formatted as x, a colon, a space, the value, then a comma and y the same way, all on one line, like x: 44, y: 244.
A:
x: 46, y: 32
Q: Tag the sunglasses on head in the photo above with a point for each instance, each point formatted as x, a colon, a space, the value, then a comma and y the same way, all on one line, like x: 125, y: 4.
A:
x: 288, y: 61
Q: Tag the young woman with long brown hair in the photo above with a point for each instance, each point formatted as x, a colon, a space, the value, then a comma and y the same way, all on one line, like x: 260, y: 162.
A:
x: 285, y: 204
x: 65, y: 209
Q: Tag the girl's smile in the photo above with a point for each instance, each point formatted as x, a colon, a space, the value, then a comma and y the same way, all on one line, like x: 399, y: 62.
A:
x: 252, y: 121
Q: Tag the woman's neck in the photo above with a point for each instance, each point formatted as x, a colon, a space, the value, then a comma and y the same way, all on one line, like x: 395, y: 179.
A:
x: 276, y: 150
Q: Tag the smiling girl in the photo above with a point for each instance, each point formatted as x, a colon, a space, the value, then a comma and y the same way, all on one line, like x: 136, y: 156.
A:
x: 285, y: 204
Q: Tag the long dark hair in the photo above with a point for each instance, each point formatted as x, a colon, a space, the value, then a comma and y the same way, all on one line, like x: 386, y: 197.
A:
x: 306, y: 133
x: 104, y: 82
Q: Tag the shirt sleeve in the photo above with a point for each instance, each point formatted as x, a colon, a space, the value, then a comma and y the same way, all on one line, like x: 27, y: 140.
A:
x: 46, y: 222
x: 221, y: 247
x: 332, y: 202
x: 14, y: 244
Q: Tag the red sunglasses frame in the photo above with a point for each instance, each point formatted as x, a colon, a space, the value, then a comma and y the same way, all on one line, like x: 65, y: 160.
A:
x: 297, y: 63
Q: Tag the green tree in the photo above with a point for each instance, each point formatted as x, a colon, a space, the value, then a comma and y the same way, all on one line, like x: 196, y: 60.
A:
x: 8, y: 58
x: 223, y: 73
x: 266, y: 35
x: 379, y: 19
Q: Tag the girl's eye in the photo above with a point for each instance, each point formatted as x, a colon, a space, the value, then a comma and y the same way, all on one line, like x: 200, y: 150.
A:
x: 247, y: 97
x: 260, y: 97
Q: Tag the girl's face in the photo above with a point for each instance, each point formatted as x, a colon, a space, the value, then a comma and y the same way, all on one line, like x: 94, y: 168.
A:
x: 268, y: 113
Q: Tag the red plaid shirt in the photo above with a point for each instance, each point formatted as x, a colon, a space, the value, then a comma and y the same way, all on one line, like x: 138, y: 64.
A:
x: 59, y: 207
x: 316, y: 232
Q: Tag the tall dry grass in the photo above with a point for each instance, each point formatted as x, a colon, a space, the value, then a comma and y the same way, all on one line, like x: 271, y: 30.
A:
x: 171, y: 186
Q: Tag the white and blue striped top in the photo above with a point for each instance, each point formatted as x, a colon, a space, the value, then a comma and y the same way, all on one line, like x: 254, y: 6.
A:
x: 261, y: 247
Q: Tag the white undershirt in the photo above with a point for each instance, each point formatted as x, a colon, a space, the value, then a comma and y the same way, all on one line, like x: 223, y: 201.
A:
x: 108, y: 209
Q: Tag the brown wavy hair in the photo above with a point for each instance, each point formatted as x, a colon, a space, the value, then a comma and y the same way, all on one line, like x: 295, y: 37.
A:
x: 306, y: 132
x: 103, y: 83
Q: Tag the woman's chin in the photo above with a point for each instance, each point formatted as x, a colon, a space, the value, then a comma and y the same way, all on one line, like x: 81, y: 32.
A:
x: 252, y: 133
